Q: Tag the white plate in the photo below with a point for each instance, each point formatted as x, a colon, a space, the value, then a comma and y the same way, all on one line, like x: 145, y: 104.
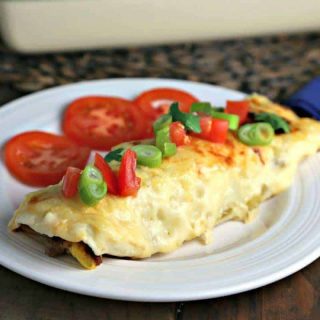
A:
x: 284, y: 238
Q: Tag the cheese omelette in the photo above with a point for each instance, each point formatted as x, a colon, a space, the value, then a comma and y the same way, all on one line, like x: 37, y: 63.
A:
x: 202, y: 185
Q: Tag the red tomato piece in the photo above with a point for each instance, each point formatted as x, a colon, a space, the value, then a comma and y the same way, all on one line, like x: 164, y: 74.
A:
x: 70, y: 182
x: 107, y: 173
x: 239, y: 108
x: 161, y: 98
x: 205, y: 124
x: 156, y: 102
x: 219, y: 131
x: 129, y: 183
x: 103, y: 122
x: 40, y: 159
x: 178, y: 134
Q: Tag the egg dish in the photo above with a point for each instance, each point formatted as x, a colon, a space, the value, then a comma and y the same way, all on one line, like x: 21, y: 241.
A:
x: 200, y: 186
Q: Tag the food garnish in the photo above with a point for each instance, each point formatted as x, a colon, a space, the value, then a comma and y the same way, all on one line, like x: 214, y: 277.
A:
x: 92, y: 187
x: 129, y: 183
x: 239, y: 108
x: 256, y: 134
x: 278, y: 124
x: 108, y: 175
x: 147, y: 155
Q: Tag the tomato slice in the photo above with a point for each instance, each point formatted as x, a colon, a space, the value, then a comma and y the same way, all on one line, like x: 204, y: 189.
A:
x: 219, y: 131
x: 103, y: 122
x: 70, y: 182
x: 239, y: 108
x: 129, y: 183
x: 107, y: 173
x: 156, y: 102
x: 178, y: 134
x: 40, y: 159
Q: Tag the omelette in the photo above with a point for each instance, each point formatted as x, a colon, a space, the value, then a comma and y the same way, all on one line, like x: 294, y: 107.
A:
x: 202, y: 185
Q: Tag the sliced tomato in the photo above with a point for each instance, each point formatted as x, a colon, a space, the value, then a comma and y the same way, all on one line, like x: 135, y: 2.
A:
x: 178, y: 134
x: 70, y: 182
x: 129, y: 183
x: 156, y: 102
x: 219, y: 131
x: 102, y: 122
x: 107, y: 173
x: 41, y: 159
x: 239, y: 108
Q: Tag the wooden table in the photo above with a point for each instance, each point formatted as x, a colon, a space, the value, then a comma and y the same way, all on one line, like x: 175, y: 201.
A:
x: 294, y: 298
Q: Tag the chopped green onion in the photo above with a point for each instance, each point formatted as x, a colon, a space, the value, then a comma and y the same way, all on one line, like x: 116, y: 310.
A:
x: 163, y: 121
x: 231, y: 118
x: 277, y: 123
x: 204, y: 107
x: 162, y: 136
x: 115, y: 155
x: 164, y: 144
x: 189, y: 120
x: 169, y: 149
x: 92, y: 187
x: 149, y: 156
x: 256, y: 134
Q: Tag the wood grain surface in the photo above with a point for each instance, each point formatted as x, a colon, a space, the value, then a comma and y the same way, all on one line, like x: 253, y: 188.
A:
x: 294, y: 298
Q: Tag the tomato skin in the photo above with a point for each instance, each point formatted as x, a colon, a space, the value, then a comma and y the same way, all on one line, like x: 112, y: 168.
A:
x: 219, y: 131
x: 103, y: 122
x: 70, y: 182
x: 239, y: 108
x: 107, y: 173
x: 129, y: 183
x: 178, y: 134
x: 40, y: 159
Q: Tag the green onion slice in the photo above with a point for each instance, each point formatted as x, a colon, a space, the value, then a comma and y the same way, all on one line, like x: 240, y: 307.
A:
x: 256, y: 134
x: 147, y: 155
x: 162, y: 136
x: 278, y: 124
x: 163, y: 121
x: 231, y: 118
x: 189, y: 120
x: 169, y: 149
x: 163, y: 142
x: 92, y: 187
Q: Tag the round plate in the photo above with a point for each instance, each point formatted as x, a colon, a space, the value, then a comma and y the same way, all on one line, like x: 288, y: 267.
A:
x: 283, y: 238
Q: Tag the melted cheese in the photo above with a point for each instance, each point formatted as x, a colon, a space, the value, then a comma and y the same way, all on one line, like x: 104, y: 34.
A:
x: 202, y: 185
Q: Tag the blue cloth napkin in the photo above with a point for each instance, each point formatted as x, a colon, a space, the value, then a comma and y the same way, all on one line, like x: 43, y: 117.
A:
x: 306, y: 102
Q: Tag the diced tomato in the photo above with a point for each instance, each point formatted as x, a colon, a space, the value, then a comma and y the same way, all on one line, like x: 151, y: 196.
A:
x: 70, y: 182
x: 129, y: 183
x: 103, y: 122
x: 219, y: 131
x: 40, y: 159
x: 239, y: 108
x: 205, y: 124
x: 178, y: 134
x: 109, y: 176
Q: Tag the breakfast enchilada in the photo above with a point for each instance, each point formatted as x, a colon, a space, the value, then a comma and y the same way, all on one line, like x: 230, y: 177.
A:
x: 183, y: 186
